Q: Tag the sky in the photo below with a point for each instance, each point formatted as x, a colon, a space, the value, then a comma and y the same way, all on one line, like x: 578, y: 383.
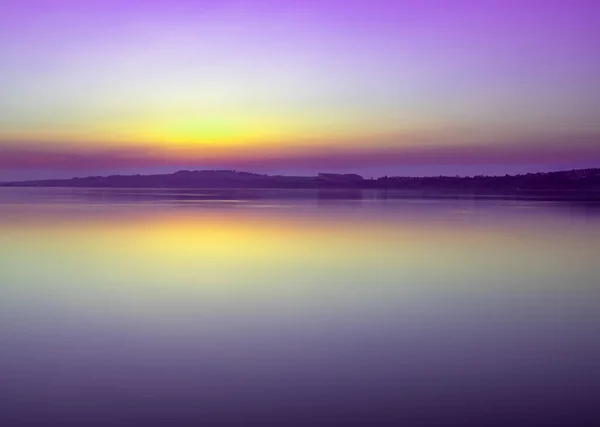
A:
x: 415, y: 87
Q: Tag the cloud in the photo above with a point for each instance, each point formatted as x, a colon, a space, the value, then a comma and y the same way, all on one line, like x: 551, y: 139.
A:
x: 60, y: 157
x: 355, y: 155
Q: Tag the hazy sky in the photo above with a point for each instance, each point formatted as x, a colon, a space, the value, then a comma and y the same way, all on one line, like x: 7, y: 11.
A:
x: 298, y: 86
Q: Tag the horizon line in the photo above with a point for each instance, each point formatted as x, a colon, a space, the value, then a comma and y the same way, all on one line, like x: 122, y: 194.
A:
x: 299, y: 176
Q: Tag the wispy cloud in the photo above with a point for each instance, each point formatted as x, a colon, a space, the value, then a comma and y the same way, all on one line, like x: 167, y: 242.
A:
x: 551, y: 150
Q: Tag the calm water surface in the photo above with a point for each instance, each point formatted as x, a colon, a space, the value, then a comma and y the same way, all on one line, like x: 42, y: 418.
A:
x: 198, y: 308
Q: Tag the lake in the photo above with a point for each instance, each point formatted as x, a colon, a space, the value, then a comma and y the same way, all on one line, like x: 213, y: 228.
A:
x: 334, y: 307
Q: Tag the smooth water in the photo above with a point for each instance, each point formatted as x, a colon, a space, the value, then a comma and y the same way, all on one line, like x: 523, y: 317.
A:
x: 247, y: 307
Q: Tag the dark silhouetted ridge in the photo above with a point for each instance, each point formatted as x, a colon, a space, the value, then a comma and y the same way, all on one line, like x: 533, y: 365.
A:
x: 579, y: 179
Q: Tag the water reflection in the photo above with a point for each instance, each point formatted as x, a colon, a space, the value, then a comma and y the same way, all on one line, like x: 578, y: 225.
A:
x: 161, y: 307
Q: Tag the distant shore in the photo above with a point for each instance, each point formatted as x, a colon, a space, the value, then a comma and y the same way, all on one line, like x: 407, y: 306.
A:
x: 573, y: 180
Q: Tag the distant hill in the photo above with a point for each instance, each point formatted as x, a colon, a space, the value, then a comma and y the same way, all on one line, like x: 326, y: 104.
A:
x: 181, y: 179
x: 579, y: 179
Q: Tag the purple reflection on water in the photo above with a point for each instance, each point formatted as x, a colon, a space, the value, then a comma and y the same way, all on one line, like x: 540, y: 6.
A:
x: 428, y: 340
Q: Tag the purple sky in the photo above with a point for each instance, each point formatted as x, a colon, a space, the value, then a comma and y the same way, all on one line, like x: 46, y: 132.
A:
x: 372, y: 86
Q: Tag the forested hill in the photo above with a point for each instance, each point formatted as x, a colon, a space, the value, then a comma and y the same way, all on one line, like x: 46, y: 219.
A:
x: 579, y: 179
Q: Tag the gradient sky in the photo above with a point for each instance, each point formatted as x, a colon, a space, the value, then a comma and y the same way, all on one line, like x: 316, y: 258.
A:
x: 291, y: 86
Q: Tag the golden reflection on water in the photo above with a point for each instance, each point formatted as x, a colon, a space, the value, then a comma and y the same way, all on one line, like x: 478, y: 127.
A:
x: 130, y: 258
